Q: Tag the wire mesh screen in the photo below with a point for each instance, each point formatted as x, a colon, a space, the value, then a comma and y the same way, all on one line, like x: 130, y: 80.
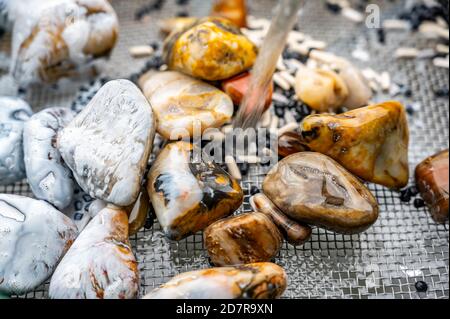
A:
x: 403, y: 247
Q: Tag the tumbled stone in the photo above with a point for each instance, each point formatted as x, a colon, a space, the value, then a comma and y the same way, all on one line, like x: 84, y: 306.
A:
x: 189, y: 194
x: 107, y: 145
x: 100, y: 264
x: 14, y: 113
x: 370, y: 142
x: 34, y: 236
x: 314, y: 189
x: 49, y: 177
x: 184, y: 105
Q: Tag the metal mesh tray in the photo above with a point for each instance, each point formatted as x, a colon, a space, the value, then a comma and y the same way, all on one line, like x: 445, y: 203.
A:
x: 386, y: 261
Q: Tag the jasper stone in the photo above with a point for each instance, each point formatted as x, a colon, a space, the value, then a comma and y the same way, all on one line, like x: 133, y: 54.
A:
x: 183, y: 104
x: 432, y: 181
x: 251, y: 281
x: 14, y: 113
x: 107, y: 145
x: 49, y: 177
x: 211, y: 49
x: 34, y: 236
x: 371, y: 142
x: 312, y: 188
x: 242, y: 239
x: 189, y: 194
x: 100, y: 264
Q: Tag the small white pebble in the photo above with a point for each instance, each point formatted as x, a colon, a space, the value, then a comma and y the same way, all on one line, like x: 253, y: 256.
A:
x: 441, y: 62
x: 441, y: 22
x: 287, y: 128
x: 289, y: 117
x: 406, y: 53
x: 361, y: 55
x: 288, y: 77
x: 371, y: 74
x: 281, y: 82
x: 385, y: 81
x: 280, y: 98
x: 294, y: 65
x: 433, y: 30
x: 442, y: 48
x: 280, y: 64
x: 396, y: 24
x: 353, y: 15
x: 141, y: 51
x: 233, y: 168
x: 274, y: 123
x: 163, y: 67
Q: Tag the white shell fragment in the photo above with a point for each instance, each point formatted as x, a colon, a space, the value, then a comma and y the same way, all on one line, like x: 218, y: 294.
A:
x: 100, y: 264
x: 108, y: 144
x: 33, y: 238
x: 182, y: 103
x: 13, y: 114
x: 49, y: 178
x: 406, y: 53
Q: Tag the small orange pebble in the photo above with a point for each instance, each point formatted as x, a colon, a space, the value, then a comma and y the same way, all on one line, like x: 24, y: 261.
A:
x: 237, y: 86
x: 233, y: 10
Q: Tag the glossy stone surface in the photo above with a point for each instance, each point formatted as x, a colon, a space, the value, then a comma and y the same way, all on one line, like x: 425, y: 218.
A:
x: 59, y: 38
x: 253, y: 281
x: 34, y: 236
x: 294, y: 232
x: 188, y: 195
x: 371, y: 142
x: 49, y: 178
x: 183, y: 104
x: 107, y: 145
x: 312, y: 188
x: 290, y: 143
x: 321, y: 90
x: 212, y: 49
x: 14, y: 113
x: 242, y: 239
x: 232, y: 10
x: 100, y: 264
x: 432, y: 181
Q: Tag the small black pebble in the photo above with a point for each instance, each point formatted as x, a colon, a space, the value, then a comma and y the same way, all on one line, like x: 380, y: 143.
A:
x: 421, y: 286
x: 410, y: 110
x: 413, y: 191
x: 334, y: 8
x: 244, y: 168
x: 254, y: 190
x: 22, y: 90
x: 279, y: 112
x: 149, y: 223
x: 183, y: 14
x: 442, y: 92
x: 408, y: 93
x: 405, y: 196
x: 182, y: 2
x: 155, y: 45
x: 381, y: 33
x: 419, y: 203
